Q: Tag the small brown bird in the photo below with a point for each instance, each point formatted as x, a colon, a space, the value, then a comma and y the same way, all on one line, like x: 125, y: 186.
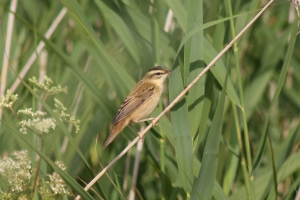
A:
x: 140, y: 102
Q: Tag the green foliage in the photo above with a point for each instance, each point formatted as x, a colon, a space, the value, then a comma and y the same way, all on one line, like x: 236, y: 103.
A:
x: 218, y: 142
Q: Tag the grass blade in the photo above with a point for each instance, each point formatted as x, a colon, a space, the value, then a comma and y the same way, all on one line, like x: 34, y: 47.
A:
x: 194, y: 64
x: 182, y: 132
x: 204, y: 185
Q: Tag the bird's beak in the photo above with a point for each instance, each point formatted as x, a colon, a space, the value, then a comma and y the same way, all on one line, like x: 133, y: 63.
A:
x: 169, y: 71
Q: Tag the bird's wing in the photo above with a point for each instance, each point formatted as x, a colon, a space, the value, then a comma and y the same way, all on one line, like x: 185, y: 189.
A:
x: 141, y: 93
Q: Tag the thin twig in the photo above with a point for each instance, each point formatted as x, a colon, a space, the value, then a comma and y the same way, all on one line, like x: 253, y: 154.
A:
x: 176, y: 100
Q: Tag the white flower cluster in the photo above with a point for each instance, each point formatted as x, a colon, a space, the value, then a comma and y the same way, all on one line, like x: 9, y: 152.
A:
x: 16, y: 177
x: 40, y: 125
x: 60, y: 110
x: 29, y: 112
x: 16, y: 172
x: 8, y: 100
x: 46, y: 85
x: 37, y: 123
x: 56, y: 183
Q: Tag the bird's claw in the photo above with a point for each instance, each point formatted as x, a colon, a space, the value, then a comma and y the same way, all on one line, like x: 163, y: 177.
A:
x: 141, y: 137
x: 154, y: 124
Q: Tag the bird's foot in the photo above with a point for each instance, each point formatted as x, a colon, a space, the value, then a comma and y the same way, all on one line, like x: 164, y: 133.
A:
x: 141, y: 137
x: 154, y: 123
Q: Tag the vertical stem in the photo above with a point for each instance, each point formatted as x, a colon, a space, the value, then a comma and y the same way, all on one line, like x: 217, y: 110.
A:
x: 5, y: 64
x: 157, y: 49
x: 240, y: 86
x: 37, y: 170
x: 127, y: 166
x: 162, y: 165
x: 249, y: 180
x: 273, y: 165
x: 168, y: 21
x: 135, y: 169
x: 243, y: 161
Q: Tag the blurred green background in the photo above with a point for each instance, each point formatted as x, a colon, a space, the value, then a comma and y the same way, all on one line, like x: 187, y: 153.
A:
x: 238, y: 144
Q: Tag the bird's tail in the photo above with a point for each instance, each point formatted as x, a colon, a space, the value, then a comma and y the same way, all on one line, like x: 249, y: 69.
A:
x: 116, y: 129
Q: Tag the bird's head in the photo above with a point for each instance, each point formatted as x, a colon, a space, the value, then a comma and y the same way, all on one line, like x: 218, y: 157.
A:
x: 157, y: 75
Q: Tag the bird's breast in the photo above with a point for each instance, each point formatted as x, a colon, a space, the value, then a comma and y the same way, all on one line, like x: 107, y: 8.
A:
x: 146, y: 108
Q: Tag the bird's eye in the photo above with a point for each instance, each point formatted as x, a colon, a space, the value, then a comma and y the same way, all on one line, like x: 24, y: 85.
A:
x: 158, y: 73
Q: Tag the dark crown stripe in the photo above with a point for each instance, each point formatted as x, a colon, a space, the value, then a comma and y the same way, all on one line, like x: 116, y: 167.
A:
x: 158, y: 68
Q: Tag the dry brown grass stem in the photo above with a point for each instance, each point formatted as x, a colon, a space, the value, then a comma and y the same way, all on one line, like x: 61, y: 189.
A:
x: 7, y: 47
x: 176, y: 100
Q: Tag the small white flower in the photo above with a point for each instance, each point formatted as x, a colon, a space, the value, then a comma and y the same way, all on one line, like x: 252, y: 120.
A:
x: 56, y: 183
x: 16, y: 172
x: 60, y: 110
x: 46, y: 85
x: 8, y: 99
